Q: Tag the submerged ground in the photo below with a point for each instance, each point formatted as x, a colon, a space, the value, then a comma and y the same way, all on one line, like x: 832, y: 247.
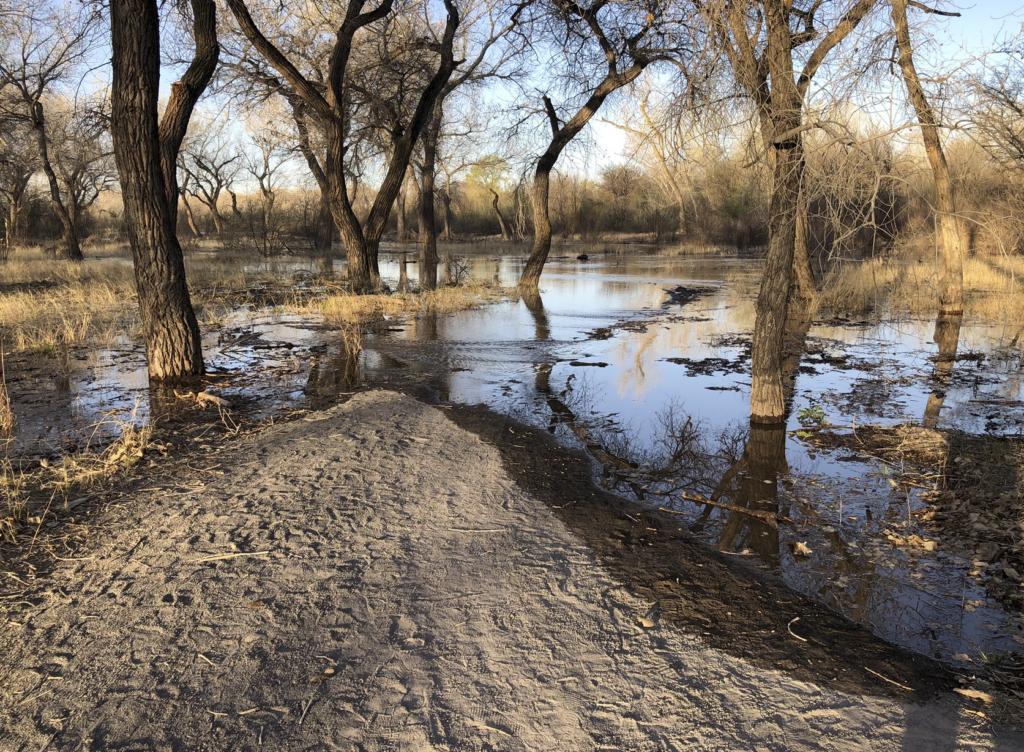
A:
x: 372, y: 578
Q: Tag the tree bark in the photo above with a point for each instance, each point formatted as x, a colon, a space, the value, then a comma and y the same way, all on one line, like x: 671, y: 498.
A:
x: 427, y: 219
x: 781, y: 115
x: 169, y: 326
x: 947, y: 337
x: 803, y: 290
x: 184, y: 95
x: 951, y: 292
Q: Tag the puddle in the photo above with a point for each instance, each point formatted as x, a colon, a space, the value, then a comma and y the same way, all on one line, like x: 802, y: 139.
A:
x: 644, y: 360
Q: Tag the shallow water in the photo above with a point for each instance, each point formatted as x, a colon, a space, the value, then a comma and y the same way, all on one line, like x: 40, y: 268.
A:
x: 658, y: 392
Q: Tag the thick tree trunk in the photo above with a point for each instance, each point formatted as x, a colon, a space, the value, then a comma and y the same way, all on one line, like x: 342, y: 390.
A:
x: 951, y: 293
x: 767, y: 402
x: 506, y: 235
x: 169, y: 326
x: 323, y: 238
x: 428, y: 224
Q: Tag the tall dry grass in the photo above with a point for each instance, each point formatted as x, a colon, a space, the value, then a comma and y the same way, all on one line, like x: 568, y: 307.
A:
x: 342, y: 308
x: 993, y: 287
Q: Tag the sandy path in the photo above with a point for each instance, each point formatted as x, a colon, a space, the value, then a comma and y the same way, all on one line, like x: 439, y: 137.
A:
x: 456, y: 612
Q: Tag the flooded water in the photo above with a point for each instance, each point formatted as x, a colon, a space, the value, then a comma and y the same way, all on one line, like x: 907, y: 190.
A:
x: 641, y: 357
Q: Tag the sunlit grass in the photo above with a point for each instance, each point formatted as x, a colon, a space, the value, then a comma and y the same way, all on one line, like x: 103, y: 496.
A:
x: 993, y: 287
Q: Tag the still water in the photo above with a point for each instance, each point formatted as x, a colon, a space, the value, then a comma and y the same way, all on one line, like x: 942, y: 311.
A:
x: 654, y: 382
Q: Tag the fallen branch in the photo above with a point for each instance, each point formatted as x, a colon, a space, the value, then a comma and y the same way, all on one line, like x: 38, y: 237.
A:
x: 768, y: 518
x: 897, y: 684
x: 221, y: 557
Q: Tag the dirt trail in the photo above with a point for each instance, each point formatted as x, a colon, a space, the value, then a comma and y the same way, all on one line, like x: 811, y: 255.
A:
x: 399, y: 592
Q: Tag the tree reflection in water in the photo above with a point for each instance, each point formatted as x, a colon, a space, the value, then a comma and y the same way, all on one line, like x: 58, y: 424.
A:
x: 947, y: 337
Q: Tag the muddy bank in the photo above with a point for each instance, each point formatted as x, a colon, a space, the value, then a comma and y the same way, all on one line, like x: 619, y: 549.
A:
x: 372, y: 578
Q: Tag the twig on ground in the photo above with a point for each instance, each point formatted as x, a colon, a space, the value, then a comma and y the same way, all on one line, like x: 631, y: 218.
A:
x: 221, y: 557
x: 896, y: 684
x: 790, y: 628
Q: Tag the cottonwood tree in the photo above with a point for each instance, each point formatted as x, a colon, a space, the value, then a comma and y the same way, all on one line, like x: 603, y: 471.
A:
x: 611, y: 44
x: 775, y: 49
x: 146, y: 150
x: 41, y: 48
x: 951, y: 285
x: 324, y: 94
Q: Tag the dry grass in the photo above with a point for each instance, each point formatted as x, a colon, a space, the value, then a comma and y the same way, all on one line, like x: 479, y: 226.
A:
x: 346, y: 309
x: 993, y: 287
x: 30, y: 498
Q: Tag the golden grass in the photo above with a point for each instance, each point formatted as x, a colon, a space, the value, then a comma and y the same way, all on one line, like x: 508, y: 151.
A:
x: 343, y: 308
x: 993, y: 287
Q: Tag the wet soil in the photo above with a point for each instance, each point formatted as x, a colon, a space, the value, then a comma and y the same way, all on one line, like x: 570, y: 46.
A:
x: 735, y: 607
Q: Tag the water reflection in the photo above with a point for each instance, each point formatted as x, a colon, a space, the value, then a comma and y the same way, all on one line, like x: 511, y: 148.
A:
x: 947, y: 337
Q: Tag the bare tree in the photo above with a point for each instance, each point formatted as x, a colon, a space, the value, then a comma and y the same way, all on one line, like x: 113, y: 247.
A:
x: 614, y: 43
x: 81, y: 153
x: 146, y: 149
x: 41, y: 47
x: 210, y: 160
x: 763, y: 40
x: 951, y: 287
x: 326, y: 104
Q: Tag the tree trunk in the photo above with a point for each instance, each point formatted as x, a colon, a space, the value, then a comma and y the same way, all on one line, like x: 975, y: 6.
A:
x: 561, y: 135
x: 402, y: 234
x: 803, y: 291
x: 169, y: 326
x: 218, y: 220
x: 428, y: 224
x: 184, y: 95
x: 767, y: 402
x: 530, y: 278
x: 189, y: 215
x: 951, y: 293
x: 323, y: 239
x: 72, y: 250
x: 446, y: 202
x: 505, y: 234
